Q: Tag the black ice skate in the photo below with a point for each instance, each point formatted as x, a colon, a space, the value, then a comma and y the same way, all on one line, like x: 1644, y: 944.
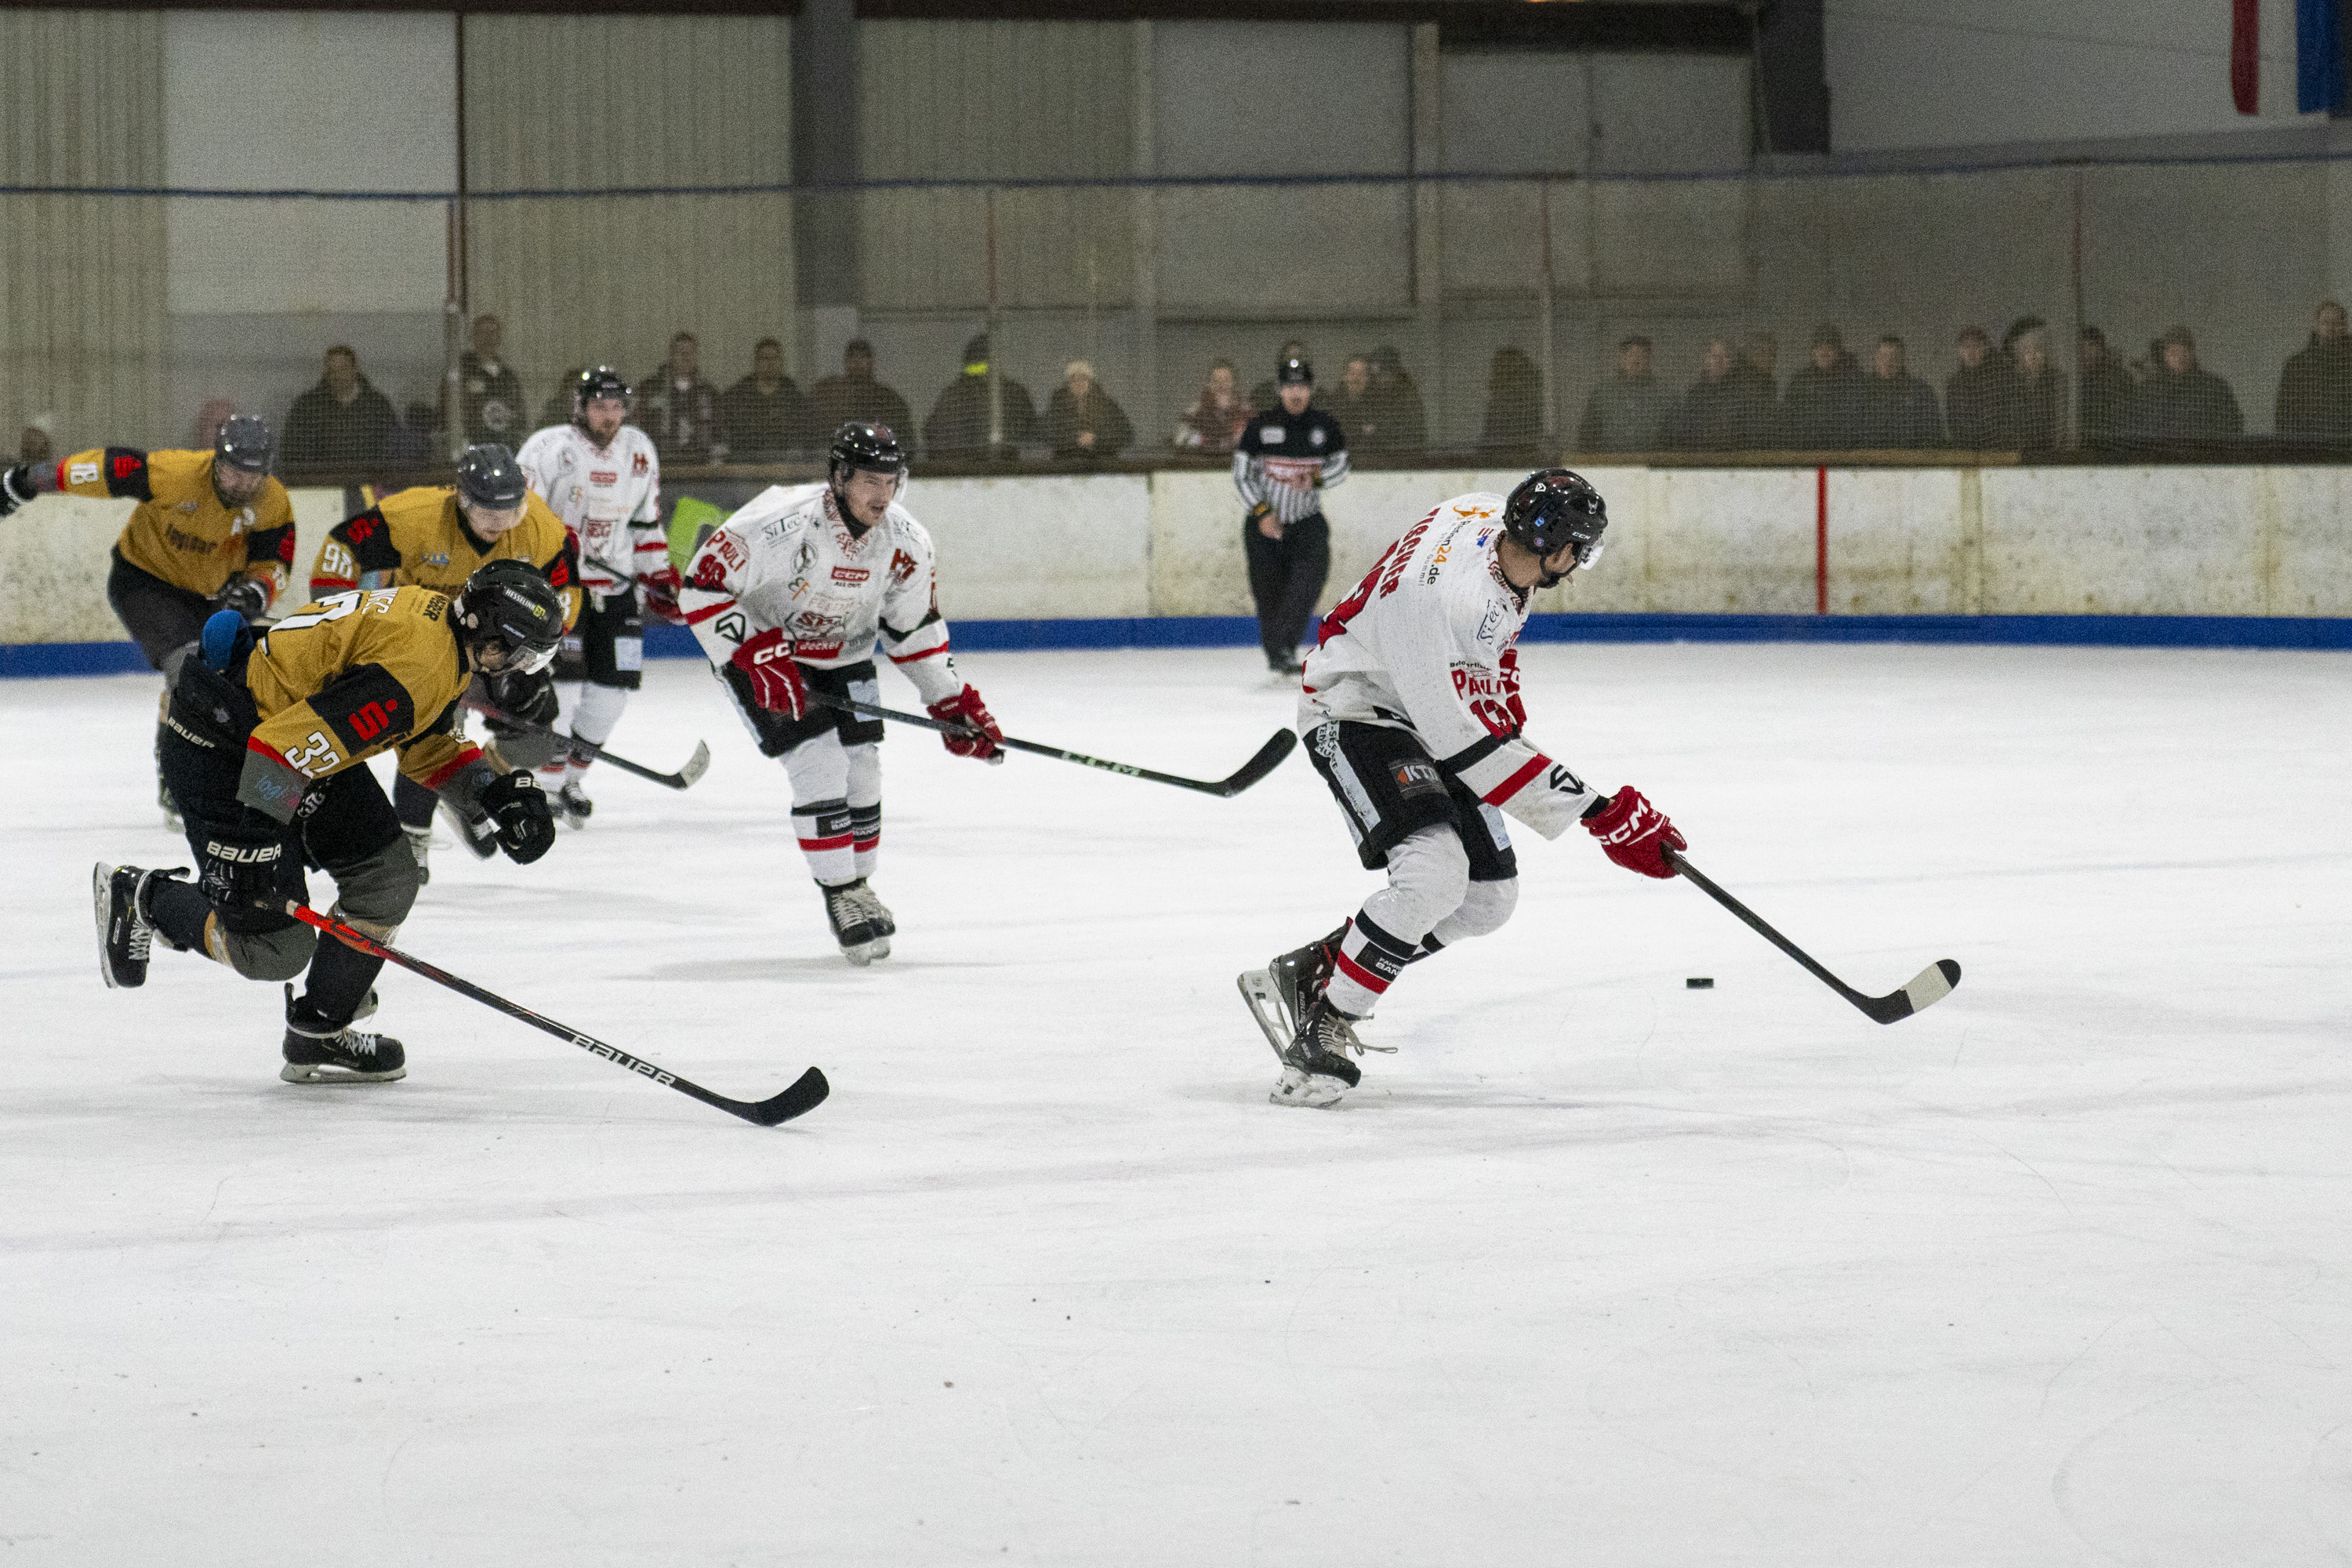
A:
x: 1315, y: 1070
x: 318, y: 1051
x: 860, y: 923
x: 572, y: 805
x: 118, y: 894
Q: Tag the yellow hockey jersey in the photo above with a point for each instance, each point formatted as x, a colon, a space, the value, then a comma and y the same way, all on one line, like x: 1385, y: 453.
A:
x: 180, y: 532
x: 418, y: 536
x: 347, y: 676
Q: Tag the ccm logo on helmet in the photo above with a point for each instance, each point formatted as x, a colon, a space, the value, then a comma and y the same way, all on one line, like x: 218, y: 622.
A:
x: 245, y: 854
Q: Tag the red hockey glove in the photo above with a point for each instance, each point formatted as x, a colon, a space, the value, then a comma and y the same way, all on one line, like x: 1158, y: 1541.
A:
x: 1636, y: 833
x: 776, y: 683
x: 1510, y: 669
x: 659, y: 589
x: 964, y: 708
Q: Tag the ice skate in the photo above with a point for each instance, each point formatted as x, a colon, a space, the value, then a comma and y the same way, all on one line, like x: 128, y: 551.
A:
x: 1298, y: 978
x: 572, y: 806
x: 860, y: 923
x: 124, y: 934
x: 420, y: 845
x: 1315, y: 1070
x: 318, y: 1051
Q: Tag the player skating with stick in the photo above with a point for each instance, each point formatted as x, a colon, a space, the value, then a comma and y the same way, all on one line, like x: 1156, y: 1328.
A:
x: 1411, y: 712
x: 788, y: 598
x: 263, y: 750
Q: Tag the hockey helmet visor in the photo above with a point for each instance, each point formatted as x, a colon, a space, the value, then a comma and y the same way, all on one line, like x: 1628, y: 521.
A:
x: 510, y: 617
x: 1554, y: 510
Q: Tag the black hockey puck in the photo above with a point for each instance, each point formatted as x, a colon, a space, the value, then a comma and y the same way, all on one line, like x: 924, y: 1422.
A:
x: 1699, y: 982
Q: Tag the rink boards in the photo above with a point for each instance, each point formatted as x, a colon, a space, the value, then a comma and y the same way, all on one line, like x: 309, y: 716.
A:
x: 2233, y: 556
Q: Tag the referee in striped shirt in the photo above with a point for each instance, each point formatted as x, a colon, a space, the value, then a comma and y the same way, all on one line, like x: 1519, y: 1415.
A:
x: 1283, y: 462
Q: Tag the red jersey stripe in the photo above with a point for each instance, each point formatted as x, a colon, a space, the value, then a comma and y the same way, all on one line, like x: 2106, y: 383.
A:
x: 1517, y: 782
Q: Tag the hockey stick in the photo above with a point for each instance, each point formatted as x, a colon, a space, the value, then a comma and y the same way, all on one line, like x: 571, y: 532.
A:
x: 695, y: 766
x: 1929, y: 986
x: 1277, y: 746
x: 806, y: 1093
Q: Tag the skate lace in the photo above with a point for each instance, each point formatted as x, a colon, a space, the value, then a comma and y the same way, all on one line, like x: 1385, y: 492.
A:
x: 866, y: 902
x: 1335, y: 1035
x: 360, y: 1043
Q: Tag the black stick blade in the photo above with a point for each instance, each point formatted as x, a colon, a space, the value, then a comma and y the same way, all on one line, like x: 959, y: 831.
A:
x: 1928, y: 987
x: 1278, y: 745
x: 807, y: 1092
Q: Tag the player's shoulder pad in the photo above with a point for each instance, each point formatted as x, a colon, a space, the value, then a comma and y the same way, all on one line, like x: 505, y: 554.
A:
x: 905, y: 531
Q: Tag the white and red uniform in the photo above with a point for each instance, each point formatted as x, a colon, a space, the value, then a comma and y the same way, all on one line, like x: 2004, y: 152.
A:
x: 1424, y: 645
x: 608, y: 497
x: 786, y: 562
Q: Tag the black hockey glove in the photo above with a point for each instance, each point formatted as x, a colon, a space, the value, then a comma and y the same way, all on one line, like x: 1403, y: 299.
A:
x: 242, y: 874
x: 248, y: 596
x: 16, y: 487
x: 526, y: 826
x: 528, y: 697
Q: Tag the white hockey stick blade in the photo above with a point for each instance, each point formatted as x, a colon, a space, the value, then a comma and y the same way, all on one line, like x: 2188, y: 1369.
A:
x: 1932, y: 985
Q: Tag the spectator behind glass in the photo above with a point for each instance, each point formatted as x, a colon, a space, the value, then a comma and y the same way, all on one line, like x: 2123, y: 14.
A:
x: 1822, y: 408
x: 1755, y: 406
x: 1628, y: 412
x: 1514, y: 421
x: 1978, y: 396
x: 1357, y: 408
x: 557, y: 409
x: 1266, y: 396
x: 37, y: 442
x: 765, y: 414
x: 2315, y: 390
x: 959, y: 424
x: 2182, y: 401
x: 1081, y: 420
x: 1897, y: 409
x: 341, y: 423
x: 1216, y: 416
x: 856, y: 395
x: 411, y: 446
x: 2035, y: 418
x: 1704, y: 421
x: 205, y: 435
x: 679, y: 409
x: 490, y: 398
x: 1404, y: 419
x: 2104, y: 391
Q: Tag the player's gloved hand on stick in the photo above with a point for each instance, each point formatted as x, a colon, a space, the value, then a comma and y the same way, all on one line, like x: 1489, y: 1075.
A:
x: 1636, y: 833
x: 525, y: 695
x: 519, y: 806
x: 980, y: 735
x: 16, y: 487
x: 776, y: 683
x: 242, y: 873
x: 248, y: 596
x: 659, y: 589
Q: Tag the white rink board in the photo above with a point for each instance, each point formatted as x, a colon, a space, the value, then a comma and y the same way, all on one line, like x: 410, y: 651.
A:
x: 1596, y: 1270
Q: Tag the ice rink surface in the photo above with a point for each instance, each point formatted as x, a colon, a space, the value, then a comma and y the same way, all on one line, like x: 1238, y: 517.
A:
x: 1594, y: 1270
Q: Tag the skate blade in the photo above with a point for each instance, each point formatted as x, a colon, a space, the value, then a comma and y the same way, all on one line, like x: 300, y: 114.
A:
x: 1313, y: 1090
x: 1257, y: 986
x: 101, y: 887
x: 865, y: 952
x: 327, y: 1072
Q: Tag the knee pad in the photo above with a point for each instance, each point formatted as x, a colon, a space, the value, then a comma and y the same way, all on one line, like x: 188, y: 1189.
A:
x: 819, y: 769
x: 864, y: 773
x: 1429, y: 875
x: 280, y: 954
x: 376, y: 892
x: 1486, y: 906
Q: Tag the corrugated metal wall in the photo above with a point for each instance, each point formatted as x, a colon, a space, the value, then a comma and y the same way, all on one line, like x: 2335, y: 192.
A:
x: 995, y: 99
x: 82, y: 332
x: 587, y: 102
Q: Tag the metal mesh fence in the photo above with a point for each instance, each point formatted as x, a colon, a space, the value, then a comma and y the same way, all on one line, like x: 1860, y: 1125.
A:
x: 2160, y: 311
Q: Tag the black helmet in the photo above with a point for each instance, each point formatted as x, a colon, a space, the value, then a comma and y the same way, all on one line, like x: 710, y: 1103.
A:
x: 509, y: 605
x: 1553, y: 509
x: 862, y: 445
x: 590, y: 384
x: 245, y: 442
x: 487, y: 475
x: 1294, y: 372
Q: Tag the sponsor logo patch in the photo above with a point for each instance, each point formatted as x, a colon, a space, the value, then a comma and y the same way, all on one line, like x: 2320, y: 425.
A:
x: 603, y: 477
x: 850, y: 573
x: 1416, y: 776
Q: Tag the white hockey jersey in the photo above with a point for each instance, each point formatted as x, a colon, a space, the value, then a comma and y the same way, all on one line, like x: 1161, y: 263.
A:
x: 785, y: 561
x: 1426, y: 642
x: 608, y: 497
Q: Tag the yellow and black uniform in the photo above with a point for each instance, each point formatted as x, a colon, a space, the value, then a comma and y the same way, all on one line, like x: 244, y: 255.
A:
x: 183, y: 544
x: 263, y: 757
x: 419, y: 536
